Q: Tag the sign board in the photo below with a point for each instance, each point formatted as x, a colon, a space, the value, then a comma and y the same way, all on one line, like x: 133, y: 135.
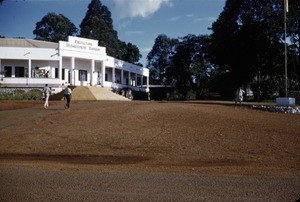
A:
x: 82, y: 45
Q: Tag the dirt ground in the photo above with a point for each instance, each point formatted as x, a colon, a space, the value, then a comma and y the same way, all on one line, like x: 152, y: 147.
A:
x: 182, y: 137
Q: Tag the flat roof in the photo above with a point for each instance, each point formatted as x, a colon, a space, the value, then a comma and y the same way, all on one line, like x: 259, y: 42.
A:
x: 26, y: 43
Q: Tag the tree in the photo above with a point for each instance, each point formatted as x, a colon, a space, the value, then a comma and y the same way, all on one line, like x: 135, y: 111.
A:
x: 293, y: 32
x: 190, y: 67
x: 131, y: 53
x: 159, y: 59
x: 98, y: 24
x: 247, y: 44
x: 54, y: 27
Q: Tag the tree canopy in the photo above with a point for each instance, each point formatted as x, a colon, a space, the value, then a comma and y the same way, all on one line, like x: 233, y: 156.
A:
x: 247, y: 42
x: 54, y: 27
x: 246, y: 48
x: 159, y: 59
x: 98, y: 24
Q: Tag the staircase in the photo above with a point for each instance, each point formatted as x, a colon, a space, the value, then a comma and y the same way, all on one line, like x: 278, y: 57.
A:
x: 90, y: 93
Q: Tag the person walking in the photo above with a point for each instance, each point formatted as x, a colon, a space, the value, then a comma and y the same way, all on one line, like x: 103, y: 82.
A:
x: 68, y: 93
x: 239, y: 96
x: 47, y: 93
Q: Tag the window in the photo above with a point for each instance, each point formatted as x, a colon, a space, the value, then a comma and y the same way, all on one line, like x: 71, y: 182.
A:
x: 82, y: 75
x: 7, y: 71
x: 63, y: 74
x: 56, y: 72
x: 19, y: 72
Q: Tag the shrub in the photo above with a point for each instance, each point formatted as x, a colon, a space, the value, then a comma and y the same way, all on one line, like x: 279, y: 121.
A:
x: 34, y: 94
x: 19, y: 94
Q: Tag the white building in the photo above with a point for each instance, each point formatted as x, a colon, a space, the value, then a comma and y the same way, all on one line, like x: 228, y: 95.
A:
x: 28, y: 63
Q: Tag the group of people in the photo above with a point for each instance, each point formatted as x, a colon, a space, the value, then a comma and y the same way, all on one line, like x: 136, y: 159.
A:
x: 47, y: 93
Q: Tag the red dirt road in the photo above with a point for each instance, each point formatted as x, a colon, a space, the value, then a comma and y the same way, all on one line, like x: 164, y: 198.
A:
x: 148, y: 151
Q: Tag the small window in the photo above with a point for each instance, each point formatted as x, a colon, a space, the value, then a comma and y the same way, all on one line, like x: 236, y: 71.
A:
x: 82, y: 75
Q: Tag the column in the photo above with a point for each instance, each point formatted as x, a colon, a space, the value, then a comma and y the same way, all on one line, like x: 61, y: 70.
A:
x: 1, y: 72
x: 73, y: 71
x: 147, y: 88
x: 13, y: 71
x: 29, y: 68
x: 113, y: 75
x: 60, y: 69
x: 103, y: 73
x: 142, y: 80
x: 147, y: 82
x: 92, y: 73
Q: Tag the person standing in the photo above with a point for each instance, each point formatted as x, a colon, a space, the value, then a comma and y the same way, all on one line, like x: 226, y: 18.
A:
x: 47, y: 93
x: 68, y: 93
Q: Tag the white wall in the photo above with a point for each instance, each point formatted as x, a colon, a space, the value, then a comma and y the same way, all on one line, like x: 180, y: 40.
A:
x: 16, y: 53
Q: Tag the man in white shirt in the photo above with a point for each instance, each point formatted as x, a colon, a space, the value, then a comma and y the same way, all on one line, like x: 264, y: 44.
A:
x: 239, y: 96
x: 47, y: 93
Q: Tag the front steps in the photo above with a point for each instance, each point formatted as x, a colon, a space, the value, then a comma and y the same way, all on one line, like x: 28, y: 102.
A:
x: 91, y: 93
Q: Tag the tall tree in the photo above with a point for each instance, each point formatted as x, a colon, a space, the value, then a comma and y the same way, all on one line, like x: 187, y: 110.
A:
x: 98, y: 24
x: 159, y: 59
x: 54, y: 27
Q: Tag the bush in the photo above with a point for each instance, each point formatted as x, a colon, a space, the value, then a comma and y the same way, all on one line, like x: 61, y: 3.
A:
x: 6, y: 96
x: 33, y: 95
x: 20, y: 94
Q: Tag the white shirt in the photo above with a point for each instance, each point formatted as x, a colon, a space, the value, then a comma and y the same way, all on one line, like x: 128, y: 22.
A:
x: 47, y: 91
x: 68, y: 91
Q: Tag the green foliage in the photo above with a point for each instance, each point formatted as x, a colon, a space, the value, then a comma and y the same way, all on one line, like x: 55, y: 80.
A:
x: 159, y: 59
x: 97, y: 24
x: 247, y: 42
x: 54, y: 27
x: 21, y: 95
x: 131, y: 53
x: 190, y: 68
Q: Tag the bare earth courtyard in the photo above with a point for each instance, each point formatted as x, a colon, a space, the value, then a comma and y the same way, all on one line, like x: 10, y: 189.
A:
x: 147, y: 151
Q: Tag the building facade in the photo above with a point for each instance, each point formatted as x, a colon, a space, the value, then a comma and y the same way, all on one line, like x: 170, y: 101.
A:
x: 27, y: 63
